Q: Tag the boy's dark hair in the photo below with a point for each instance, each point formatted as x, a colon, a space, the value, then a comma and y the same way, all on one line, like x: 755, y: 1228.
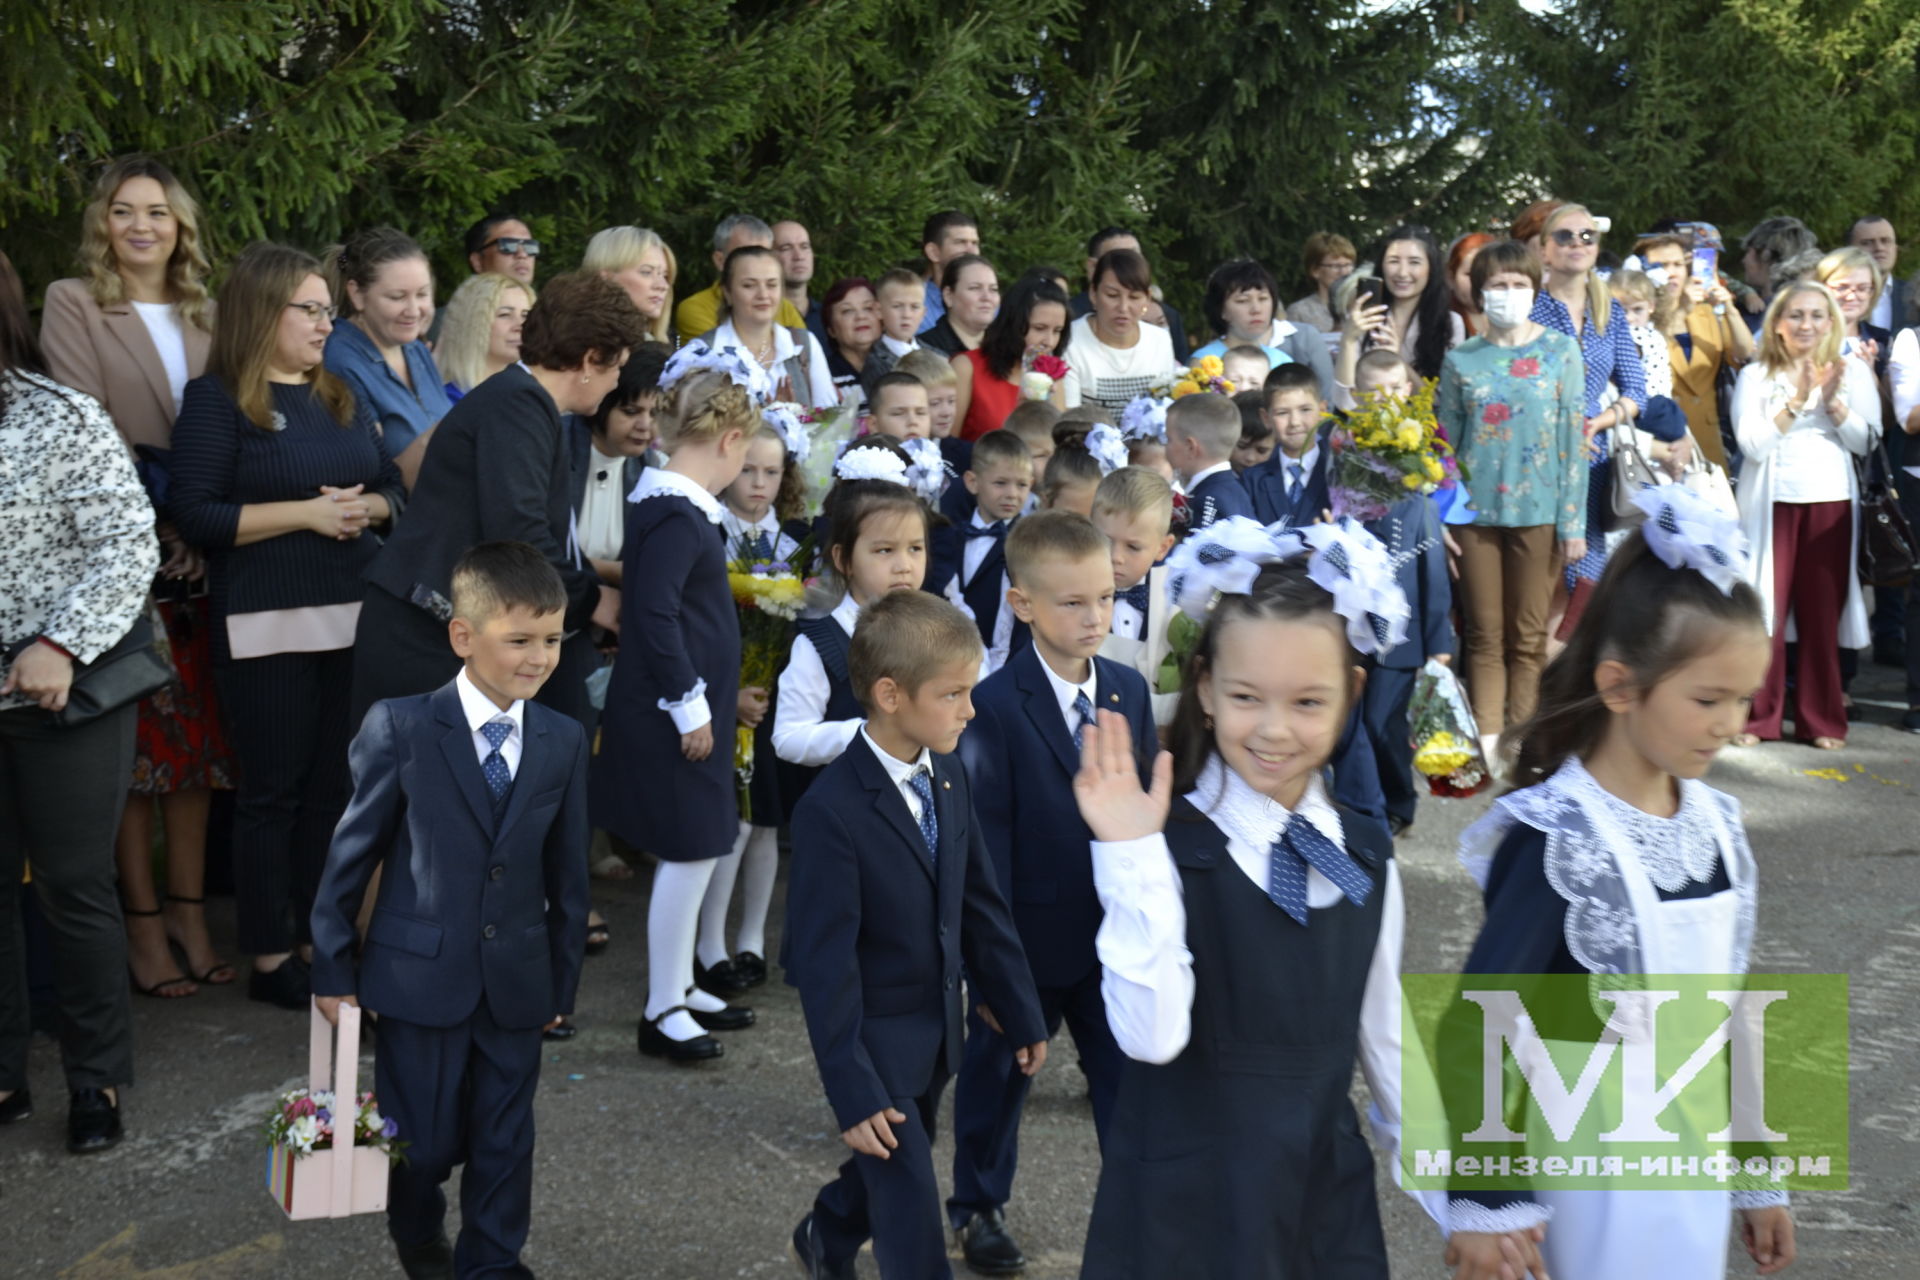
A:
x: 1280, y: 593
x: 891, y: 378
x: 1234, y: 277
x: 1071, y: 464
x: 1253, y: 423
x: 937, y: 226
x: 639, y: 378
x: 496, y: 576
x: 1644, y: 614
x: 1004, y: 344
x: 907, y: 636
x: 1104, y: 234
x: 1207, y: 417
x: 1126, y: 266
x: 480, y: 234
x: 1067, y: 535
x: 1288, y: 377
x: 1032, y: 420
x: 1001, y: 446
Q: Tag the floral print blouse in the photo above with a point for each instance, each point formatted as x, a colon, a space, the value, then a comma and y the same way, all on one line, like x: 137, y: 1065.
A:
x: 1516, y: 418
x: 77, y: 546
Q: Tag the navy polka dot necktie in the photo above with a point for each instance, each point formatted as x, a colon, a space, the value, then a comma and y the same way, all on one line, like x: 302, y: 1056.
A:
x: 494, y: 767
x: 1083, y: 715
x: 1135, y: 595
x: 922, y: 783
x: 1301, y: 844
x: 757, y: 546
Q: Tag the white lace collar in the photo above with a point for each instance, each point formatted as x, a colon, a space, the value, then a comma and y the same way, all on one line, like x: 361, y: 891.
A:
x: 1590, y: 833
x: 656, y: 482
x: 1253, y: 819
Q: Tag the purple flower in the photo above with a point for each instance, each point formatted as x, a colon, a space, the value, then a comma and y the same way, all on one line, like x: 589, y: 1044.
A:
x: 388, y: 1128
x: 324, y: 1116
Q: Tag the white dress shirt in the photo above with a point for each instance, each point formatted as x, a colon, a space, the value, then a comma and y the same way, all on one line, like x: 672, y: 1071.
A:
x: 785, y: 346
x: 1903, y: 373
x: 902, y: 770
x: 1065, y: 691
x: 1128, y: 622
x: 897, y: 346
x: 1146, y: 977
x: 1306, y: 462
x: 1204, y: 472
x: 690, y: 710
x: 163, y: 326
x: 738, y: 528
x: 480, y: 710
x: 603, y: 509
x: 1881, y: 317
x: 802, y: 734
x: 972, y: 555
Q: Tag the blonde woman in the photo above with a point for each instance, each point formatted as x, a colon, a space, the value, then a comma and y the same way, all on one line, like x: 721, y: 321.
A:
x: 640, y: 262
x: 131, y: 331
x: 1802, y: 412
x: 1857, y: 283
x: 481, y: 335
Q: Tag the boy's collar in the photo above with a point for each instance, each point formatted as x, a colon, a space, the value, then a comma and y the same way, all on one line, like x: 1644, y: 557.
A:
x: 897, y: 769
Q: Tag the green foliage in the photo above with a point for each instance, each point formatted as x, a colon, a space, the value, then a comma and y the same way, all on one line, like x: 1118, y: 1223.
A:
x: 1215, y: 127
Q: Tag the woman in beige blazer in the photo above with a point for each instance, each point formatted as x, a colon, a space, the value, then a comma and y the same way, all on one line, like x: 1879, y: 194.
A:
x: 131, y: 332
x: 1699, y: 342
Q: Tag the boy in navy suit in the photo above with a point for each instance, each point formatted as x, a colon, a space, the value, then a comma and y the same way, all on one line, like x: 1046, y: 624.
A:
x: 970, y: 559
x: 891, y: 893
x: 1022, y: 752
x: 1411, y: 532
x: 472, y: 803
x: 1290, y: 487
x: 1202, y: 430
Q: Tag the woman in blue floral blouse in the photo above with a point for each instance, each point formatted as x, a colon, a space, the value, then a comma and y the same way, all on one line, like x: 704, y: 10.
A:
x: 1513, y: 404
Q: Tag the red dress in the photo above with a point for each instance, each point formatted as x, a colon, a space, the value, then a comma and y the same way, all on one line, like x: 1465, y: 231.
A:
x: 993, y: 399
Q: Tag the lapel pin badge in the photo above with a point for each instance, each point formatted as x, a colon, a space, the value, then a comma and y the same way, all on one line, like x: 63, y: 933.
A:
x: 945, y: 785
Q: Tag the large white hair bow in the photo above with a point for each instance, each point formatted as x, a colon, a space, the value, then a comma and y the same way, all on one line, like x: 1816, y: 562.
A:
x: 1688, y: 532
x: 784, y: 417
x: 1145, y: 418
x: 697, y: 356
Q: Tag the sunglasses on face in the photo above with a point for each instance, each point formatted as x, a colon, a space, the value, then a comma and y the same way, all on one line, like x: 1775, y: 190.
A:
x: 1566, y: 239
x: 515, y: 245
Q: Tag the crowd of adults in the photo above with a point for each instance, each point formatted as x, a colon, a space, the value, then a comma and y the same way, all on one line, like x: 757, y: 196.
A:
x: 247, y: 480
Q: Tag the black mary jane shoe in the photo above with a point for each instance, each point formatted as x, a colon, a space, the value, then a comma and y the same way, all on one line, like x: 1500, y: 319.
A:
x: 732, y: 1018
x: 18, y: 1106
x: 752, y: 968
x: 656, y: 1043
x: 565, y: 1031
x: 290, y: 986
x: 432, y: 1260
x: 724, y: 980
x: 93, y: 1122
x: 989, y: 1249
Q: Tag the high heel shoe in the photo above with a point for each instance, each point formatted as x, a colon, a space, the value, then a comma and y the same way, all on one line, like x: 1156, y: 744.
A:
x: 167, y: 988
x: 219, y: 973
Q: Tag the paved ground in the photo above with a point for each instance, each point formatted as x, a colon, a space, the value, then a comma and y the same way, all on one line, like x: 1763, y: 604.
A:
x: 649, y: 1171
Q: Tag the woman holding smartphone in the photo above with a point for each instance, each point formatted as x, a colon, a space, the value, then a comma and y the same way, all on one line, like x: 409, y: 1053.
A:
x: 1703, y: 331
x: 1406, y: 307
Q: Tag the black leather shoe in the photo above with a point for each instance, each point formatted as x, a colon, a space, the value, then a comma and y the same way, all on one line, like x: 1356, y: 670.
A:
x: 430, y: 1261
x: 18, y: 1106
x: 656, y: 1043
x: 806, y: 1252
x: 989, y: 1249
x: 723, y: 980
x: 93, y: 1122
x: 290, y: 986
x: 732, y: 1018
x: 565, y: 1031
x: 1911, y: 721
x: 752, y: 968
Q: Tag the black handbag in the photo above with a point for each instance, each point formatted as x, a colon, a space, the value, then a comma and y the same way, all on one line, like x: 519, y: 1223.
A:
x: 1887, y: 548
x: 131, y: 670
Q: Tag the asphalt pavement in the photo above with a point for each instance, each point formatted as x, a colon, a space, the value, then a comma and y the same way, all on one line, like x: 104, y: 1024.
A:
x: 647, y: 1170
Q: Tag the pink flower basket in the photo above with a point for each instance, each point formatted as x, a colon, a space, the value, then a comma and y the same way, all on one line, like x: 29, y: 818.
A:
x: 335, y: 1182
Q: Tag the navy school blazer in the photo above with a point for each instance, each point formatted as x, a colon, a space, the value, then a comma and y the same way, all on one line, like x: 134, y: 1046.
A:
x: 1214, y: 499
x: 467, y: 909
x: 879, y: 933
x: 1266, y: 485
x: 1021, y: 760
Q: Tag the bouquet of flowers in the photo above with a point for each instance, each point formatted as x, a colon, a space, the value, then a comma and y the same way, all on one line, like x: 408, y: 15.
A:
x: 827, y: 430
x: 1208, y: 373
x: 303, y: 1123
x: 769, y: 595
x: 1388, y: 449
x: 1041, y: 373
x: 1446, y: 742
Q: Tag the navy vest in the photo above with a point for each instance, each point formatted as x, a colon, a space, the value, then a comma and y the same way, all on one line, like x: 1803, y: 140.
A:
x: 832, y: 644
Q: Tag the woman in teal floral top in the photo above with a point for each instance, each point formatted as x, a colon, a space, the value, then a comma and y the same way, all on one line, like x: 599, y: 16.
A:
x: 1514, y: 405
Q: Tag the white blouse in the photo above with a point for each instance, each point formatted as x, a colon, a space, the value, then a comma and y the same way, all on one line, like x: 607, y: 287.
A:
x: 1110, y: 377
x: 163, y: 326
x: 802, y: 734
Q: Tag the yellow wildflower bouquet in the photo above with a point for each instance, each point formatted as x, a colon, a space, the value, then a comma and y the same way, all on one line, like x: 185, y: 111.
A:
x: 1446, y: 741
x: 1208, y: 373
x: 1388, y: 449
x: 769, y: 595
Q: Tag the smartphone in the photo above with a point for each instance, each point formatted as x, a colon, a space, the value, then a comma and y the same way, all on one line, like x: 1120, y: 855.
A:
x: 1706, y: 265
x: 1373, y: 292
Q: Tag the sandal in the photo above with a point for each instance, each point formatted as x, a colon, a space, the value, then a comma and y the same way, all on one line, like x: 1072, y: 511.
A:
x: 597, y: 944
x: 167, y: 988
x: 219, y: 973
x: 1744, y: 740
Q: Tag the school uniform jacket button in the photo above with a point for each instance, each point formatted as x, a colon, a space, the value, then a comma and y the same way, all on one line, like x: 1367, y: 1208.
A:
x: 496, y: 873
x: 949, y: 984
x: 487, y: 932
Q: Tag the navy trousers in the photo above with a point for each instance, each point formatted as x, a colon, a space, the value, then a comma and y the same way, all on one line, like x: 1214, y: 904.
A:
x: 895, y: 1201
x: 1384, y: 706
x: 462, y: 1094
x: 991, y: 1093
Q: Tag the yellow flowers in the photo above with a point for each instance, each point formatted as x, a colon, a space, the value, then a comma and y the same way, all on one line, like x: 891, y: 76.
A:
x: 1208, y: 373
x: 1441, y: 755
x: 1185, y: 387
x: 1210, y: 367
x: 778, y: 594
x: 1412, y: 481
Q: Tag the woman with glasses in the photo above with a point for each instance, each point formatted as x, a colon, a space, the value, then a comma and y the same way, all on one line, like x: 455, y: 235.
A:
x: 1856, y: 282
x: 382, y: 288
x: 278, y: 472
x: 131, y: 333
x: 1576, y: 301
x: 639, y: 261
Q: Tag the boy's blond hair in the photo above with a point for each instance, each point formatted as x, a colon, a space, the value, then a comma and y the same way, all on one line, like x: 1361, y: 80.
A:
x: 1134, y: 492
x: 929, y: 367
x: 907, y: 636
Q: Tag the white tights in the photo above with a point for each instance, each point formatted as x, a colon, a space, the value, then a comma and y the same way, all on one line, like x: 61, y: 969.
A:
x: 673, y: 916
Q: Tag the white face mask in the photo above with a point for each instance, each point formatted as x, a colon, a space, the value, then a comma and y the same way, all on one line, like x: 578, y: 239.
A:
x: 1507, y: 308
